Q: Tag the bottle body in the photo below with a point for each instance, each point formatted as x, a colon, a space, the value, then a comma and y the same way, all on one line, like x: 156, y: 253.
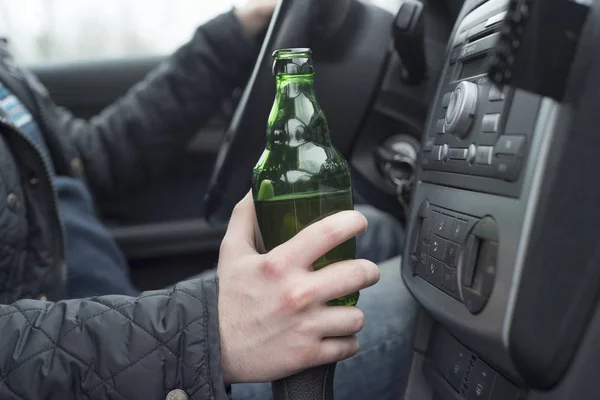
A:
x: 300, y: 178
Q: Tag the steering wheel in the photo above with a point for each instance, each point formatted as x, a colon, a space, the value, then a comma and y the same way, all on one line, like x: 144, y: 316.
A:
x: 351, y: 44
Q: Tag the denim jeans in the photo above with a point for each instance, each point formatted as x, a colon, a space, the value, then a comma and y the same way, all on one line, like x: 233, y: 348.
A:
x: 380, y: 367
x: 384, y: 238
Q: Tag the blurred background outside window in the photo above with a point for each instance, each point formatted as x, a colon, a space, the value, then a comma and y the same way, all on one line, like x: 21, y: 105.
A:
x: 41, y: 31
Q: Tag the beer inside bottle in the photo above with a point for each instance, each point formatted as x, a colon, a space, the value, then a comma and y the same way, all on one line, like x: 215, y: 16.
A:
x: 300, y: 178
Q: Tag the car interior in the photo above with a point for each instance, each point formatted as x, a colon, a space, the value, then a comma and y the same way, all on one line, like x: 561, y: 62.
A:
x: 470, y: 121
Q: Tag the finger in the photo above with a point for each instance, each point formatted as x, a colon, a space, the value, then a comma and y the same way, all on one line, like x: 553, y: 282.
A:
x: 318, y: 238
x: 337, y: 349
x: 239, y: 238
x: 337, y: 321
x: 342, y: 278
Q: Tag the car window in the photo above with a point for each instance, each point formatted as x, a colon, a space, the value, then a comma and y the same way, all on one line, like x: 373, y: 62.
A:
x: 73, y: 30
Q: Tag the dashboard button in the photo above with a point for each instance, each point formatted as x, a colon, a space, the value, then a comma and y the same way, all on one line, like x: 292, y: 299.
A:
x: 458, y: 357
x: 442, y: 224
x: 510, y: 145
x: 457, y: 154
x: 451, y: 255
x: 496, y: 94
x: 458, y: 232
x: 507, y: 168
x: 484, y: 155
x: 439, y: 127
x: 444, y: 152
x: 482, y: 379
x: 437, y: 153
x: 449, y: 279
x: 471, y: 153
x: 490, y: 123
x: 438, y: 247
x: 434, y: 271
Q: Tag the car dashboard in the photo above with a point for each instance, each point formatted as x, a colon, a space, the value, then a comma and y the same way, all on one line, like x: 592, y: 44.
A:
x: 502, y: 251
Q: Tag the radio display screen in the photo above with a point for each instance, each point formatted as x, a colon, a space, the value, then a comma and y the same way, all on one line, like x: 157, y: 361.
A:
x: 473, y: 67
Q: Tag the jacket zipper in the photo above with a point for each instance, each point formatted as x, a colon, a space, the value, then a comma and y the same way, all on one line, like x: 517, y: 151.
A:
x: 48, y: 176
x: 49, y: 128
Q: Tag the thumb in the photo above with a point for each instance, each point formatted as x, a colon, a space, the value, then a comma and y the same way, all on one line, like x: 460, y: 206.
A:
x: 239, y: 238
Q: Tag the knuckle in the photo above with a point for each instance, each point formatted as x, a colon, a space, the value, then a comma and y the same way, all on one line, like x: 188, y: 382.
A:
x: 286, y: 261
x: 271, y: 269
x: 307, y: 327
x: 296, y: 298
x: 225, y: 247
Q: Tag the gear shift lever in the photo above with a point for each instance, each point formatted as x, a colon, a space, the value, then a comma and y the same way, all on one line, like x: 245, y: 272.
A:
x: 313, y: 384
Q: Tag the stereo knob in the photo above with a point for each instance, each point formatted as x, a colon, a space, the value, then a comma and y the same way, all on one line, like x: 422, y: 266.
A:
x: 461, y: 109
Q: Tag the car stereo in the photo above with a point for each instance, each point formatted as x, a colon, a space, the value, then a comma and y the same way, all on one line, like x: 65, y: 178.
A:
x: 479, y: 137
x: 478, y: 129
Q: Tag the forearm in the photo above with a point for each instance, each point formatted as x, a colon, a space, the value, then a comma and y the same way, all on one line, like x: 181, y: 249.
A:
x: 133, y: 140
x: 114, y: 347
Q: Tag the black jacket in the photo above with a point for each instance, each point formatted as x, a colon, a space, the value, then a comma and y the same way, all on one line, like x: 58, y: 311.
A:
x: 113, y: 347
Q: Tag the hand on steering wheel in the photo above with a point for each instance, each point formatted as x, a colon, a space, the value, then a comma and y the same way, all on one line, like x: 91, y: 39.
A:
x: 255, y: 15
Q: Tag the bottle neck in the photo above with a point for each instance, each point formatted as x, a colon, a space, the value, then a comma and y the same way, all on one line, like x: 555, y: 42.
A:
x: 296, y: 117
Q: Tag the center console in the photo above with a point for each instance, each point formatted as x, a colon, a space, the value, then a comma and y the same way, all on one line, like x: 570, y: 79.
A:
x: 504, y: 222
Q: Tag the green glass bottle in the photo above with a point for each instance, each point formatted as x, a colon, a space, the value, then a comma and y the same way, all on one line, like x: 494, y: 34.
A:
x: 300, y: 178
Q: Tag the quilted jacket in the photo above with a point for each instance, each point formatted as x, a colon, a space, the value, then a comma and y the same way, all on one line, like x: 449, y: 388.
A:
x: 112, y: 347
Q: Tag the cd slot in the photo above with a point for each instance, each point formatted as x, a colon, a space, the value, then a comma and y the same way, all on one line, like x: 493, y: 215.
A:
x: 479, y: 46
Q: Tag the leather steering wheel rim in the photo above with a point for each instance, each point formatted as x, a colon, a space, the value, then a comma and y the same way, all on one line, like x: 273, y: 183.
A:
x: 332, y: 29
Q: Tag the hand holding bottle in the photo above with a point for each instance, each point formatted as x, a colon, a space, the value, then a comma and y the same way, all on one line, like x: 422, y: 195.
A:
x: 273, y: 313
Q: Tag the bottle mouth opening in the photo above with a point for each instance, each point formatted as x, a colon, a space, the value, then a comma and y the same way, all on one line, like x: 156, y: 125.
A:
x: 286, y: 54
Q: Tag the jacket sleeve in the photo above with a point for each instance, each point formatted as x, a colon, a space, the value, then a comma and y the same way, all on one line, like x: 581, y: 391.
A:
x: 114, y: 347
x: 133, y: 140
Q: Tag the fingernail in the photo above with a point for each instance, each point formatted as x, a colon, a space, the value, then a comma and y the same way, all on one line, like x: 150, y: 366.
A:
x: 374, y: 272
x: 365, y: 220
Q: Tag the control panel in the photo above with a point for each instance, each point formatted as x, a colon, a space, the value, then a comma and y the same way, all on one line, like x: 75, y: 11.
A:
x: 455, y: 369
x: 502, y: 239
x: 456, y: 253
x: 472, y: 130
